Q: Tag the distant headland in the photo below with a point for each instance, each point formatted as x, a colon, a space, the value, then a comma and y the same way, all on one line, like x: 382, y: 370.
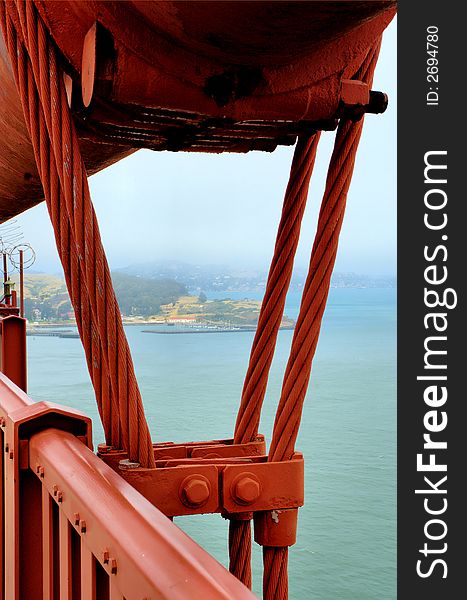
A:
x: 177, y: 294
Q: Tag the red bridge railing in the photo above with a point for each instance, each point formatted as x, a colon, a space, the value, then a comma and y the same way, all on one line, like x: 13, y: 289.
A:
x: 72, y: 528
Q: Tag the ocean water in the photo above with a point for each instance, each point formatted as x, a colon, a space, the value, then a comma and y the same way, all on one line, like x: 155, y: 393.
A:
x: 191, y: 385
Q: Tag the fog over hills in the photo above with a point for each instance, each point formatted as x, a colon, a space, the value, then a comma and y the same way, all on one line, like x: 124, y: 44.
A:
x: 219, y: 278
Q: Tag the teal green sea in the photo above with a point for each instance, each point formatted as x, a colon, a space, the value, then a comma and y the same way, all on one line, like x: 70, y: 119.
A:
x: 191, y: 385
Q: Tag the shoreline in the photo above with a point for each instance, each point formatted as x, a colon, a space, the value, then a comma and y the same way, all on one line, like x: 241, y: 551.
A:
x: 220, y: 330
x: 62, y: 330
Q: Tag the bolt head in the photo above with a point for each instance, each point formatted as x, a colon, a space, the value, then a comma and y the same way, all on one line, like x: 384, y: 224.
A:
x: 354, y: 93
x: 195, y: 492
x: 247, y: 490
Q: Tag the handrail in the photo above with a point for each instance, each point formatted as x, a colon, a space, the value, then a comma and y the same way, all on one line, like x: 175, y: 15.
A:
x: 146, y: 553
x: 12, y: 397
x: 72, y: 527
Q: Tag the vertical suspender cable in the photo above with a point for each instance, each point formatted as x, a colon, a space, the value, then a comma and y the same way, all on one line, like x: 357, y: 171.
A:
x: 48, y: 117
x: 270, y: 317
x: 297, y: 373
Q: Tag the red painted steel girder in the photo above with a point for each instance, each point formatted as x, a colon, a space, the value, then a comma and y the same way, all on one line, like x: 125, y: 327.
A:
x: 20, y: 520
x: 20, y: 186
x: 214, y: 77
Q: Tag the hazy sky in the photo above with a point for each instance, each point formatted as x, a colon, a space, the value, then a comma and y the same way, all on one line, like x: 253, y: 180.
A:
x: 224, y: 209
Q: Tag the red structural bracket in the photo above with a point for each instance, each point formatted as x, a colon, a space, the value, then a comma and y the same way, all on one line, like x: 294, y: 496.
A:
x: 165, y: 451
x: 227, y: 485
x: 13, y: 348
x: 184, y: 490
x: 264, y: 486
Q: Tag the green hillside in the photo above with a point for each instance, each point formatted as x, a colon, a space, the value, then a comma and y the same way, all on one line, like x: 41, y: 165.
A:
x: 46, y: 296
x: 42, y: 286
x: 144, y: 297
x: 139, y: 298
